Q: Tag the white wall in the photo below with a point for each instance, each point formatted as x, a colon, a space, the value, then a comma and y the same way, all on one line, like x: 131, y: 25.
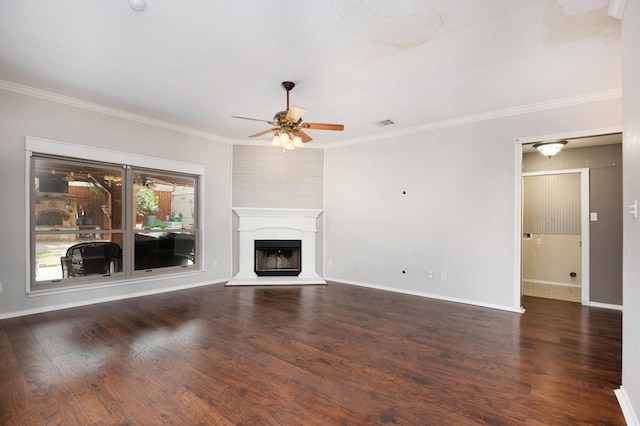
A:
x: 269, y: 177
x: 550, y: 258
x: 457, y: 215
x: 22, y: 116
x: 631, y: 192
x: 264, y: 176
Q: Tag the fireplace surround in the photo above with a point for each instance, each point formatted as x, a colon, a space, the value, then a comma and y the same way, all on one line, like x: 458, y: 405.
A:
x: 276, y: 224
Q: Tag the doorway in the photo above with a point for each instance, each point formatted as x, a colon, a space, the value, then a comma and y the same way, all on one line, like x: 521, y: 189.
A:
x: 555, y: 239
x: 601, y: 153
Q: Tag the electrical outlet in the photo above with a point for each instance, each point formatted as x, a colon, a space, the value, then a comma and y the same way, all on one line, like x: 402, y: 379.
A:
x: 429, y: 274
x: 215, y: 263
x: 443, y: 276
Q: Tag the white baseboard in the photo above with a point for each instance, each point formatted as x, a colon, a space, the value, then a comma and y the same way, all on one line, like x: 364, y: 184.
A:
x: 627, y: 408
x: 605, y: 306
x: 50, y: 308
x: 275, y: 281
x: 519, y: 310
x: 552, y: 283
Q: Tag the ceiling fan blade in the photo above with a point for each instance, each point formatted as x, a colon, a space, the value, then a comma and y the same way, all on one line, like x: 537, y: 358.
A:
x: 305, y: 137
x: 295, y: 113
x: 255, y: 119
x: 322, y: 126
x: 262, y: 133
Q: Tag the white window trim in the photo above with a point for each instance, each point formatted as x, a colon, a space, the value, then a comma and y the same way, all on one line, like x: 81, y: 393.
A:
x: 65, y: 149
x: 46, y: 146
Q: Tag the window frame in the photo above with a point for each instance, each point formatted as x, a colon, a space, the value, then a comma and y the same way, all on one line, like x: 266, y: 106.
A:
x: 81, y: 153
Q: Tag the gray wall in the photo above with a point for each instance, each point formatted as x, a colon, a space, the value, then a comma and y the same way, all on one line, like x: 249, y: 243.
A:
x: 605, y: 197
x: 22, y: 116
x: 456, y: 215
x: 631, y: 184
x: 268, y: 177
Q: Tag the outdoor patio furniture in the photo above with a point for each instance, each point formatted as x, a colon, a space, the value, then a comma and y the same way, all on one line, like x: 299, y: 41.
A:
x: 163, y: 249
x: 91, y: 258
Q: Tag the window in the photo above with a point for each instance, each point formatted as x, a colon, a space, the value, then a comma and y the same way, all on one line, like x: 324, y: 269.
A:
x: 164, y: 234
x: 96, y: 222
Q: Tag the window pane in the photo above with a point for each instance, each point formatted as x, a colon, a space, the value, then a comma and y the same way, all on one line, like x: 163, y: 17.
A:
x: 164, y: 248
x: 71, y: 196
x: 76, y: 218
x: 164, y: 200
x: 165, y: 220
x: 71, y: 255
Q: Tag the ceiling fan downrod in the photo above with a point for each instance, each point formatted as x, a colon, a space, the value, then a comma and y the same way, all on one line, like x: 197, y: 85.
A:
x: 288, y: 85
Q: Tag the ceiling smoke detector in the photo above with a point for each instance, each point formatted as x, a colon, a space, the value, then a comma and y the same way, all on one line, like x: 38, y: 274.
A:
x: 138, y: 5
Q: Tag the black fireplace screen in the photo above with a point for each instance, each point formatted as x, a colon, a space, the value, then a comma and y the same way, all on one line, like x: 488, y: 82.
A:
x: 277, y: 257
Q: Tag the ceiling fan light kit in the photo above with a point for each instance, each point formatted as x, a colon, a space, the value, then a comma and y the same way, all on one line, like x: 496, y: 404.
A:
x: 285, y: 141
x: 288, y: 127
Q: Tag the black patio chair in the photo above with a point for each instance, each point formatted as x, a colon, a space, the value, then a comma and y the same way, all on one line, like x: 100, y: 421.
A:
x: 91, y: 258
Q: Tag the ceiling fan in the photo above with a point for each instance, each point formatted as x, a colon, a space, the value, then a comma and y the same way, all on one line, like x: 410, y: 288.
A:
x: 288, y: 127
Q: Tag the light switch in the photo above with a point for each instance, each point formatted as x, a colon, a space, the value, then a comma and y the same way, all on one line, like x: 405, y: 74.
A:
x: 594, y: 216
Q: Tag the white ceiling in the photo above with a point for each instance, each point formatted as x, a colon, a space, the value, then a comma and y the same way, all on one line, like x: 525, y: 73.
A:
x: 195, y: 63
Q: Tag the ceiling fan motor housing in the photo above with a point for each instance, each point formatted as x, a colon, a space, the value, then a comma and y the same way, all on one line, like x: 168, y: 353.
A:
x: 280, y: 116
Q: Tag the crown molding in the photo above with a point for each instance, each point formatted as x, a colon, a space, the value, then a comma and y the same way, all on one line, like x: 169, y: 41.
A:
x: 508, y: 112
x: 115, y: 112
x: 616, y: 8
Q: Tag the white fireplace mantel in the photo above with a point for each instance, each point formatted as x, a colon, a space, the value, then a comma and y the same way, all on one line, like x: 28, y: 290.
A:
x: 276, y: 224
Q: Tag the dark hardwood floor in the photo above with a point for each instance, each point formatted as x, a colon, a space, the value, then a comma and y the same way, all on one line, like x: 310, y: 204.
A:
x: 315, y: 355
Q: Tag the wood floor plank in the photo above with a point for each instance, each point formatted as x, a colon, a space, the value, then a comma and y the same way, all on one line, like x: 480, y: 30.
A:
x: 16, y: 402
x: 311, y: 355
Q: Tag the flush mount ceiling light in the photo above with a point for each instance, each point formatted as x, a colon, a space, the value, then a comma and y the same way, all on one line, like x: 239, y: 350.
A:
x: 138, y: 5
x: 550, y: 148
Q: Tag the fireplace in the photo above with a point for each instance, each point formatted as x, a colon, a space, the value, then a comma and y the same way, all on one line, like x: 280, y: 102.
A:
x: 55, y: 213
x: 258, y: 225
x: 277, y: 258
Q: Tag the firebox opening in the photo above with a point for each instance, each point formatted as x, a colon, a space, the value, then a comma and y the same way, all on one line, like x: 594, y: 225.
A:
x: 278, y: 257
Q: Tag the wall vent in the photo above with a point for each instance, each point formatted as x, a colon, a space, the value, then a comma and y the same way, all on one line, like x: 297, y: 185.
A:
x: 387, y: 122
